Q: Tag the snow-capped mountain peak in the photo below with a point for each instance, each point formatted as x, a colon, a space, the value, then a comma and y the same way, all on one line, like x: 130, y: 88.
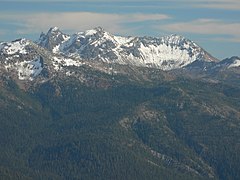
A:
x: 54, y: 29
x: 232, y: 62
x: 56, y: 51
x: 169, y: 52
x: 53, y: 38
x: 97, y: 30
x: 60, y: 54
x: 174, y: 39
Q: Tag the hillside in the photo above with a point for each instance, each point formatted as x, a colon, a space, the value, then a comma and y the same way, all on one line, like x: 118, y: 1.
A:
x: 66, y: 115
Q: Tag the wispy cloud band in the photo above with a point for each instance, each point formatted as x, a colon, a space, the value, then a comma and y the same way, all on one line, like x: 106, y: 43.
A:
x: 117, y: 23
x: 76, y: 21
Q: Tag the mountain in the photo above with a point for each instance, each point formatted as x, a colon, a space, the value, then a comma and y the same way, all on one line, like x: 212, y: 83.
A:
x: 170, y: 52
x: 58, y: 51
x: 233, y: 62
x: 97, y: 106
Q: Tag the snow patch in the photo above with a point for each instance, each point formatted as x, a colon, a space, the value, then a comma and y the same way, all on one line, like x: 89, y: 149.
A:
x: 29, y: 69
x: 122, y: 40
x: 90, y: 32
x: 55, y: 29
x: 56, y: 49
x: 59, y: 62
x: 14, y: 47
x: 236, y: 63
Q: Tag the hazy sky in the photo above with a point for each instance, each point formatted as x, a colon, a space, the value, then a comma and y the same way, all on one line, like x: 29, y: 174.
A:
x: 213, y: 24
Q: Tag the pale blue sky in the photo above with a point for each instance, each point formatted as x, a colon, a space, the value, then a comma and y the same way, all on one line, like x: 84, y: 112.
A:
x: 213, y: 24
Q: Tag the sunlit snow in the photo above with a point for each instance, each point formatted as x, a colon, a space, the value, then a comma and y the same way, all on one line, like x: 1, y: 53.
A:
x: 169, y: 52
x: 29, y: 69
x: 90, y: 32
x: 236, y: 63
x: 59, y: 62
x: 15, y: 47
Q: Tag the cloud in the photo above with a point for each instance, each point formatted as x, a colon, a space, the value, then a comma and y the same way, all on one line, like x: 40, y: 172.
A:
x: 205, y: 4
x: 76, y: 21
x: 146, y: 17
x: 214, y: 4
x: 231, y: 5
x: 207, y: 27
